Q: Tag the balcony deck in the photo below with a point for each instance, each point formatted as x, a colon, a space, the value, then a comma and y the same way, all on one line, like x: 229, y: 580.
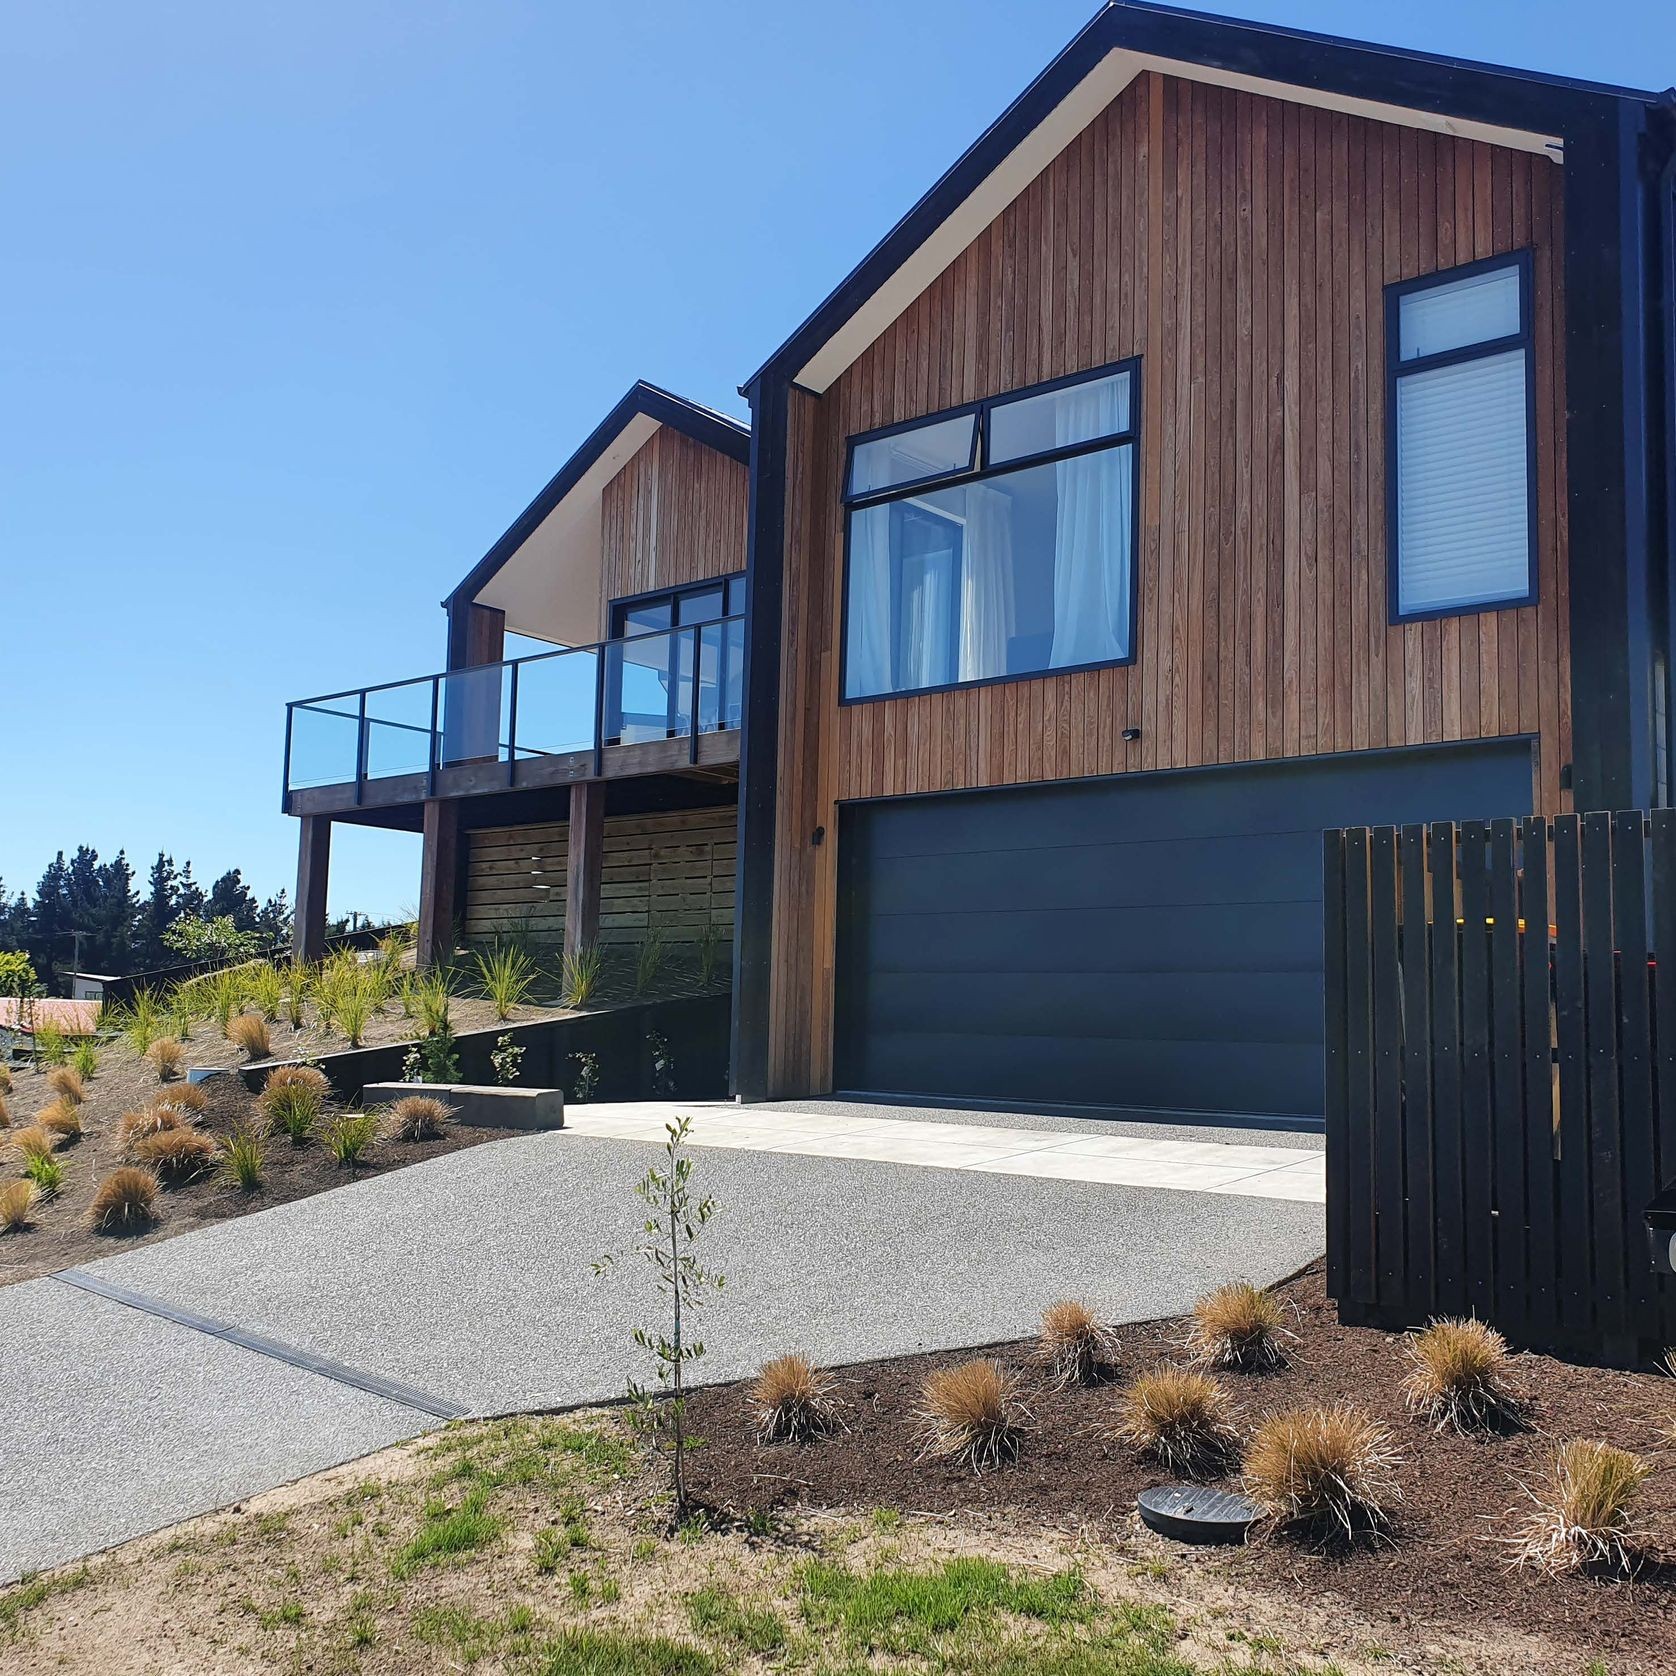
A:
x: 660, y: 703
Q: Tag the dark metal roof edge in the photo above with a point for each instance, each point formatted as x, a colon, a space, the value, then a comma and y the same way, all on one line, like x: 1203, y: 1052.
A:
x: 1464, y: 88
x: 705, y: 425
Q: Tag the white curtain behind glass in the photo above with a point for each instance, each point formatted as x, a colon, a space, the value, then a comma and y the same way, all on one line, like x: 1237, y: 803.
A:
x: 867, y: 656
x: 986, y: 606
x: 1091, y: 540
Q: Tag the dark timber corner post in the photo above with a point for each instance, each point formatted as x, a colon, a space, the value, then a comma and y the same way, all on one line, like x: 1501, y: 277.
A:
x: 759, y: 742
x: 582, y: 868
x: 439, y: 872
x: 314, y: 863
x: 1608, y: 364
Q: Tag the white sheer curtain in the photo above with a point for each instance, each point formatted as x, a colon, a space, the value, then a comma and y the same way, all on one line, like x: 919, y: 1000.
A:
x: 867, y: 655
x: 1091, y: 537
x: 927, y: 621
x: 986, y: 605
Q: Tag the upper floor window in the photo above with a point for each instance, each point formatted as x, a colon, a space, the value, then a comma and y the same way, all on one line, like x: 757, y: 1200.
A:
x: 1461, y: 412
x: 994, y: 542
x: 674, y: 659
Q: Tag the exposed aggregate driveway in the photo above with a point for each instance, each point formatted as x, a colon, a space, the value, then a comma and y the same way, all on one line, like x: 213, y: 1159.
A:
x: 207, y: 1368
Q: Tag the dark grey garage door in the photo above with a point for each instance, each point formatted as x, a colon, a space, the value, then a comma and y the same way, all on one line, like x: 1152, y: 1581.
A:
x: 1147, y: 942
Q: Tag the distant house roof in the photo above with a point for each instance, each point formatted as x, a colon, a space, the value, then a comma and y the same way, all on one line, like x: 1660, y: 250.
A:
x: 73, y: 1018
x: 1506, y: 107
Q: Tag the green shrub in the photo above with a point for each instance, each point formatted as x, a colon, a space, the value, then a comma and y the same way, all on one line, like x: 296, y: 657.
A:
x: 580, y: 975
x: 586, y: 1083
x: 649, y: 960
x: 243, y: 1150
x: 507, y: 975
x: 709, y: 951
x: 432, y: 1059
x: 507, y: 1059
x: 17, y: 973
x: 348, y: 1136
x: 45, y: 1171
x: 141, y: 1021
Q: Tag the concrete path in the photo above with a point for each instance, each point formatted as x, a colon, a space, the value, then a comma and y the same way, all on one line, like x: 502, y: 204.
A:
x: 236, y: 1357
x: 1242, y: 1168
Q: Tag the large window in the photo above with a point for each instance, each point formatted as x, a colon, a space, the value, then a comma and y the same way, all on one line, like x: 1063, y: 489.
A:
x: 1461, y: 414
x: 994, y: 542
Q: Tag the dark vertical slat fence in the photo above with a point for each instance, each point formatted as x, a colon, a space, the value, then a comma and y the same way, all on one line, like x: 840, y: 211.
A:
x: 1501, y: 1075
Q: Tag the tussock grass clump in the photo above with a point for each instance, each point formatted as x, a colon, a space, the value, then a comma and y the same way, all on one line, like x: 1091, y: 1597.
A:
x: 167, y: 1056
x: 580, y: 975
x: 126, y: 1198
x: 293, y: 1100
x: 972, y: 1413
x: 85, y: 1060
x: 1325, y: 1471
x: 35, y: 1141
x: 1460, y: 1376
x: 1073, y: 1346
x: 430, y: 993
x: 5, y: 1079
x: 348, y: 1136
x: 298, y: 1076
x: 1239, y: 1326
x: 1180, y: 1418
x: 189, y: 1097
x: 136, y: 1126
x: 142, y: 1019
x: 176, y: 1154
x: 62, y: 1118
x: 17, y: 1202
x: 51, y: 1046
x: 266, y: 989
x: 244, y: 1159
x: 248, y: 1032
x: 419, y: 1117
x: 45, y: 1171
x: 1583, y: 1512
x: 65, y: 1081
x: 794, y: 1401
x: 507, y: 975
x: 5, y: 1110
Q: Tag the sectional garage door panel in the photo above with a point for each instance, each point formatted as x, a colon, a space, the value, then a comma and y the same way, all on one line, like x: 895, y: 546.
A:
x: 1151, y: 942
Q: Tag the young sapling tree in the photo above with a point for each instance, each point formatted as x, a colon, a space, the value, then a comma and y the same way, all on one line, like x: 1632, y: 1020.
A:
x: 677, y: 1215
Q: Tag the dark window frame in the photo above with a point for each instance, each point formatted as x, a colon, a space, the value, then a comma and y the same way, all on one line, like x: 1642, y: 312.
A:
x: 980, y: 471
x: 1397, y: 369
x: 611, y: 719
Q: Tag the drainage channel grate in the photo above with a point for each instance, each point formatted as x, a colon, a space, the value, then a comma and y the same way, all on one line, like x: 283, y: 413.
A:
x: 391, y: 1390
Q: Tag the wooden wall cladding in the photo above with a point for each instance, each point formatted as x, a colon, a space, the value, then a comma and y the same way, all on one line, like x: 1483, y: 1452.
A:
x: 675, y: 513
x: 672, y: 871
x: 1240, y: 246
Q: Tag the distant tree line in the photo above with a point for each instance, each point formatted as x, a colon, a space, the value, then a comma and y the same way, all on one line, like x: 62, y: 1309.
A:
x: 121, y: 930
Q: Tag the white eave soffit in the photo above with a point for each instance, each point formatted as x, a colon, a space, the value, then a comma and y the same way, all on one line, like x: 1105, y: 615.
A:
x: 1073, y: 113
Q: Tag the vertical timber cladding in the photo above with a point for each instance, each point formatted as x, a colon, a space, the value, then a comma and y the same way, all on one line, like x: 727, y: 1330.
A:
x: 673, y: 872
x: 675, y: 513
x: 1239, y: 245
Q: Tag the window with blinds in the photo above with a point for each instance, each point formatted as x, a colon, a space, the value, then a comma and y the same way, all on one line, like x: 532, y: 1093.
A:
x: 1459, y: 349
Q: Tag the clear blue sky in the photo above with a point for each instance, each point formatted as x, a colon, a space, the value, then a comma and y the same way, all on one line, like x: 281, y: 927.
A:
x: 303, y: 302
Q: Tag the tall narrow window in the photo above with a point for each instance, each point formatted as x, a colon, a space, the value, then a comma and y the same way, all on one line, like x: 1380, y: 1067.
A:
x: 996, y: 542
x: 1463, y: 465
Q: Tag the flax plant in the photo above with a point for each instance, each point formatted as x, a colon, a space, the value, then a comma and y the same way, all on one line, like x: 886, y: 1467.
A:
x: 507, y: 975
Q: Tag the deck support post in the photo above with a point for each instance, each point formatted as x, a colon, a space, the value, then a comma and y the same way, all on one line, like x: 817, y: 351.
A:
x: 314, y: 863
x: 582, y: 868
x: 439, y: 876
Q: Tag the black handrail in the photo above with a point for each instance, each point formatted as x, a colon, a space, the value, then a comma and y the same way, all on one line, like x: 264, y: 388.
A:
x: 494, y: 672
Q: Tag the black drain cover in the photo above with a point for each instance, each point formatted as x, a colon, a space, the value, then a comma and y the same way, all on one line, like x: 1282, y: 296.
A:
x: 1192, y: 1513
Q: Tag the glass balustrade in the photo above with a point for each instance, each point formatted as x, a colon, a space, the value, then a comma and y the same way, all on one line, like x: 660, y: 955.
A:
x: 675, y: 683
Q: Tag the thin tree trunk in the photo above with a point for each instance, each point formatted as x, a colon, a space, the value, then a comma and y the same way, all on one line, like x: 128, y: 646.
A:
x: 675, y: 1268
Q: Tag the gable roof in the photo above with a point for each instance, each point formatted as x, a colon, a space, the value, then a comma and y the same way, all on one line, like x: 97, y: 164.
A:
x: 617, y: 437
x: 1507, y: 107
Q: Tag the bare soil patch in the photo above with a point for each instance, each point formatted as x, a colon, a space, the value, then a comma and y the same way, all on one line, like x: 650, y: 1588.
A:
x: 1443, y: 1578
x: 59, y: 1236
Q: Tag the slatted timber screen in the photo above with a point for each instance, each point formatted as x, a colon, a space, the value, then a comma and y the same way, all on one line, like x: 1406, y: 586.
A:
x: 672, y: 871
x: 1501, y: 1075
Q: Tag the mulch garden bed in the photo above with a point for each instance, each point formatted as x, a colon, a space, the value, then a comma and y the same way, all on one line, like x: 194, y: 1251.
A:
x: 59, y: 1236
x: 1445, y: 1567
